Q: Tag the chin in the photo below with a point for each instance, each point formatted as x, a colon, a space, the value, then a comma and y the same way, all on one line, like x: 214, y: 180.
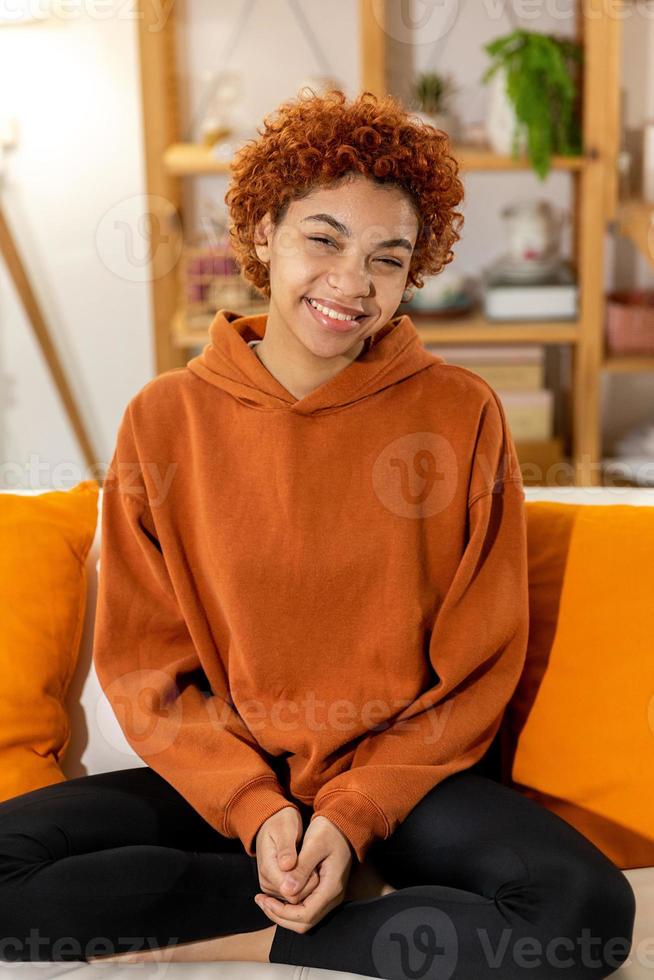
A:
x: 328, y: 346
x: 331, y: 347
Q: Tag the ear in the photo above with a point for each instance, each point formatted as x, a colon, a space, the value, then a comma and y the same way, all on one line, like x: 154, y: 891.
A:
x: 263, y: 238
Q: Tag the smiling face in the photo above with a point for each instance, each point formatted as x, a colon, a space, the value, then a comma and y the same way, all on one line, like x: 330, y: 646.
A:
x: 347, y: 248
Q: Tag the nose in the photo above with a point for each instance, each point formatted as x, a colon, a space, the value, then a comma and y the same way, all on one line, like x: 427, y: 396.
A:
x: 350, y: 278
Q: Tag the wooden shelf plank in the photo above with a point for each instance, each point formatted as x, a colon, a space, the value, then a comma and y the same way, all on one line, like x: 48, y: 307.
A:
x: 483, y: 158
x: 477, y: 329
x: 635, y: 220
x: 469, y: 330
x: 625, y: 364
x: 191, y: 159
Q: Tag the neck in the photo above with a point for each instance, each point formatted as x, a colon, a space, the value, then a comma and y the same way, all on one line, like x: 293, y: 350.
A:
x: 297, y: 368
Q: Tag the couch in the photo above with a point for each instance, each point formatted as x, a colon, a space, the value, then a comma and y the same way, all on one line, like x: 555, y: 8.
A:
x: 98, y: 745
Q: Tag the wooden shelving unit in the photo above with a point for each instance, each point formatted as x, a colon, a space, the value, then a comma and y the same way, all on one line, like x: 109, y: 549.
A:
x: 594, y: 191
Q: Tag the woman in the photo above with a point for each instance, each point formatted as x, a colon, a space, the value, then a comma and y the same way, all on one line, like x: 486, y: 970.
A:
x: 312, y: 612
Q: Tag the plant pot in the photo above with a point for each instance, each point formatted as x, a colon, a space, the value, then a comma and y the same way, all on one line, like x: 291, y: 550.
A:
x: 446, y: 121
x: 501, y: 120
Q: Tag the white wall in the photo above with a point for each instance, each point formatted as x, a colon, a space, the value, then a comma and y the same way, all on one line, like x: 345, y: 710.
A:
x: 74, y: 191
x: 73, y: 86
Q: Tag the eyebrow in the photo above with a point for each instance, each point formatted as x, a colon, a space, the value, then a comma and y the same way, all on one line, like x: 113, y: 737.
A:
x: 345, y: 231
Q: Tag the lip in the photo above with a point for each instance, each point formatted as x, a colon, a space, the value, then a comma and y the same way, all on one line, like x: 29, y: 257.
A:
x: 338, y: 326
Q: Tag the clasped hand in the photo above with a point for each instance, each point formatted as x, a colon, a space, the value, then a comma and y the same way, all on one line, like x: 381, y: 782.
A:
x: 300, y: 889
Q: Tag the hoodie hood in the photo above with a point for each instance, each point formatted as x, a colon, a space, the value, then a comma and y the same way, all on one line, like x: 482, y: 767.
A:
x: 396, y: 353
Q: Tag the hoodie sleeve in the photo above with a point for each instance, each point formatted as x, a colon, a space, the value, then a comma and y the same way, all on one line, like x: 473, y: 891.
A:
x: 477, y: 648
x: 148, y: 667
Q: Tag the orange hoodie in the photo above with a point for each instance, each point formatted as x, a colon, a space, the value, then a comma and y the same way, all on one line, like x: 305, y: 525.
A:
x: 318, y: 600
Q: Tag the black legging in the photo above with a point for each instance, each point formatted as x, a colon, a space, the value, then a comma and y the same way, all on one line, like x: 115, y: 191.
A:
x: 490, y: 884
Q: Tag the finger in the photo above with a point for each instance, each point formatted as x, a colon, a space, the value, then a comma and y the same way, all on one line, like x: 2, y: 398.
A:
x: 297, y: 918
x: 283, y: 922
x: 295, y: 897
x: 286, y: 857
x: 309, y: 860
x: 277, y: 844
x: 288, y: 843
x: 306, y: 878
x: 281, y: 889
x: 276, y: 865
x: 313, y: 908
x: 275, y: 910
x: 279, y: 886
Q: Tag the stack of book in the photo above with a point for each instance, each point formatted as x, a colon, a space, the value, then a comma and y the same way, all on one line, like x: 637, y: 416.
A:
x: 517, y: 375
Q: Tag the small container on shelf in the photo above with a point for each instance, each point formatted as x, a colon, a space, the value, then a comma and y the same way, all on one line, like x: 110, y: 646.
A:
x: 630, y: 321
x: 210, y: 280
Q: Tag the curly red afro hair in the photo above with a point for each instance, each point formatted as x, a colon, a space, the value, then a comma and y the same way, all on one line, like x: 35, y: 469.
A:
x: 316, y: 140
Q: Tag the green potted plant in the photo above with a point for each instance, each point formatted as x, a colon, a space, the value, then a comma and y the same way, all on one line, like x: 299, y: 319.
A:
x: 534, y: 105
x: 431, y: 95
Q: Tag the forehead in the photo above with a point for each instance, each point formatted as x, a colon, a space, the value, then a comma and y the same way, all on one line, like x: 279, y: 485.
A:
x: 359, y: 202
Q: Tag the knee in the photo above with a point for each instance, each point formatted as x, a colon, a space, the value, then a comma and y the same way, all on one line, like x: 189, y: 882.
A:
x: 608, y: 900
x: 601, y: 911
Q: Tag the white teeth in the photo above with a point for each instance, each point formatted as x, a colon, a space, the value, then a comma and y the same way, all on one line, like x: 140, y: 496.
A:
x: 331, y: 313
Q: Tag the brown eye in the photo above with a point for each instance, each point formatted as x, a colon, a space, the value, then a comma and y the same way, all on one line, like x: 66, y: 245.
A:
x: 326, y: 241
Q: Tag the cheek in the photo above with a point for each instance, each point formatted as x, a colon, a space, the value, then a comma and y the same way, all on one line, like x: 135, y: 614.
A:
x: 303, y: 272
x: 291, y: 273
x: 390, y: 289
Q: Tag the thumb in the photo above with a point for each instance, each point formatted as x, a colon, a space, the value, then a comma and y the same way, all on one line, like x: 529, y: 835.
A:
x: 294, y: 881
x: 305, y: 866
x: 286, y: 858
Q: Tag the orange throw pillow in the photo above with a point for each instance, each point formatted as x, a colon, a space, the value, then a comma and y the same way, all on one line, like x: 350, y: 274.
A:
x: 578, y: 734
x: 45, y: 538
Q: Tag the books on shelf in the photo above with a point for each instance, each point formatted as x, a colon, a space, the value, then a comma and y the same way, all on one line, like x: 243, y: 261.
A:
x: 529, y: 413
x: 508, y: 367
x: 517, y: 375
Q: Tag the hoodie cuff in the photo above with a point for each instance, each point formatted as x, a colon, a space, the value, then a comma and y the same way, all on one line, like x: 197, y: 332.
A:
x: 356, y: 816
x: 251, y: 806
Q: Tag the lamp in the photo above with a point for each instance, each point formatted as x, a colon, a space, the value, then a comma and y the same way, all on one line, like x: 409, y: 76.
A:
x: 15, y: 13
